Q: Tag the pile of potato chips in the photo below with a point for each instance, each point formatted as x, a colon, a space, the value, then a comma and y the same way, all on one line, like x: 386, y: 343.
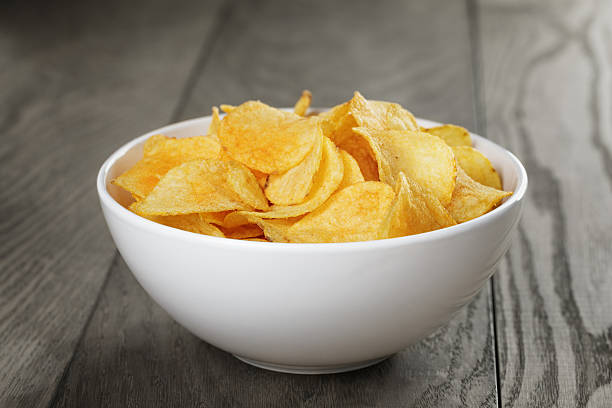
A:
x: 363, y: 170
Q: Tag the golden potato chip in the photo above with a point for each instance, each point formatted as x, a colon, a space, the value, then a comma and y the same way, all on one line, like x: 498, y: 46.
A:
x: 352, y: 174
x: 262, y: 178
x: 453, y: 135
x: 354, y: 213
x: 414, y: 211
x: 256, y: 239
x: 188, y: 222
x: 215, y: 122
x: 292, y: 186
x: 215, y: 218
x: 380, y: 115
x: 274, y: 230
x: 472, y: 199
x: 337, y: 123
x: 326, y: 181
x: 303, y: 103
x: 360, y: 149
x: 243, y: 182
x: 235, y: 219
x: 203, y: 186
x: 243, y: 231
x: 267, y: 139
x: 477, y: 166
x: 227, y: 108
x: 162, y: 153
x: 423, y: 157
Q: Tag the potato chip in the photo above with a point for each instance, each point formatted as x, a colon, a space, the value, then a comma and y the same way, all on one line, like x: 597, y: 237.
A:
x: 162, y: 153
x: 453, y: 135
x: 274, y: 230
x: 262, y: 178
x: 292, y: 186
x: 477, y: 166
x: 354, y: 213
x: 360, y: 149
x: 215, y: 218
x: 241, y: 180
x: 235, y: 219
x: 188, y: 222
x: 302, y: 105
x: 203, y: 186
x: 326, y: 181
x: 380, y: 115
x: 227, y: 108
x: 243, y: 231
x: 215, y: 122
x: 414, y: 211
x: 423, y: 157
x: 267, y: 139
x: 352, y: 174
x: 363, y: 170
x: 472, y: 199
x: 337, y: 123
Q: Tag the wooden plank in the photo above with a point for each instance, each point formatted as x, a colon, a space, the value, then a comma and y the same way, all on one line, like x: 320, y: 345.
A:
x: 547, y: 73
x: 415, y: 53
x: 77, y: 80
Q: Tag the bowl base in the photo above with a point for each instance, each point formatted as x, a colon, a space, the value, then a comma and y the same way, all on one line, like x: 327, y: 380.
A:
x: 327, y: 369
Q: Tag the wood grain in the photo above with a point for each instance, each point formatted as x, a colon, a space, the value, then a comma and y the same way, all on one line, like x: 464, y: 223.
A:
x: 77, y: 79
x: 415, y: 53
x: 547, y: 82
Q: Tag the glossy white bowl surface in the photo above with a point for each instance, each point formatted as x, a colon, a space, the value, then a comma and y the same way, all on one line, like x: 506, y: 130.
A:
x: 310, y: 308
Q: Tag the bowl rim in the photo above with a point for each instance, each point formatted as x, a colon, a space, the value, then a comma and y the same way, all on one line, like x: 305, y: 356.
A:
x: 107, y: 201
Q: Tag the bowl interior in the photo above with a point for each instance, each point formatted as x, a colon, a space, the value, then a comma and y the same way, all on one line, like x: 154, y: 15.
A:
x: 507, y: 165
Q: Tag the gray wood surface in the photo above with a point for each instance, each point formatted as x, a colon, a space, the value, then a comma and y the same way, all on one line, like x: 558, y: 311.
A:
x: 271, y: 50
x: 80, y: 78
x: 546, y: 70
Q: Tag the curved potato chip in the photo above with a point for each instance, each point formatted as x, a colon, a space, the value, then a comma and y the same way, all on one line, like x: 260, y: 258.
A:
x: 477, y: 166
x: 352, y: 174
x: 326, y: 181
x: 202, y: 186
x: 188, y: 222
x: 472, y: 199
x: 423, y: 157
x: 215, y: 122
x: 227, y: 108
x: 292, y: 186
x: 262, y: 178
x: 243, y: 231
x: 243, y: 182
x: 160, y: 154
x: 274, y: 230
x: 337, y: 124
x: 302, y: 105
x: 257, y: 239
x: 453, y: 135
x: 267, y: 139
x: 360, y: 149
x: 235, y: 219
x: 414, y: 211
x: 381, y: 115
x: 215, y: 218
x: 351, y: 214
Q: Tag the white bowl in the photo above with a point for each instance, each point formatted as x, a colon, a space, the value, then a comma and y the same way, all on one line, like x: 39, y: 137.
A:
x: 310, y: 308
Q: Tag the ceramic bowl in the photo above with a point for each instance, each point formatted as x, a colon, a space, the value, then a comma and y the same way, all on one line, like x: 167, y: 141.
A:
x: 310, y: 308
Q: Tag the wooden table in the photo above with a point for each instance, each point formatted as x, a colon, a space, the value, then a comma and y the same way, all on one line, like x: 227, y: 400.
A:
x: 79, y: 78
